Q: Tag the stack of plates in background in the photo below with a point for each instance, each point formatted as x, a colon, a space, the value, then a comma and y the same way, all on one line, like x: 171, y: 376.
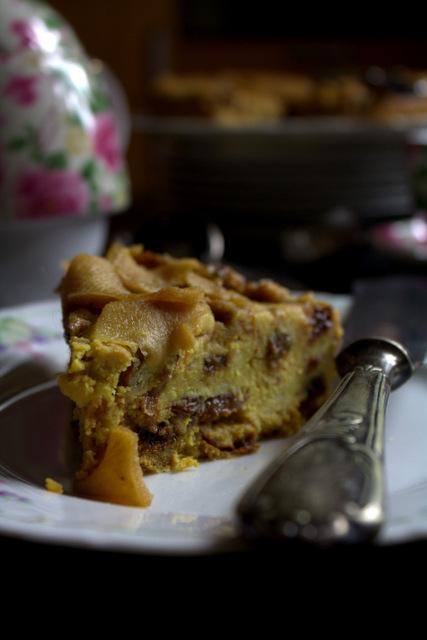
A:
x: 293, y: 172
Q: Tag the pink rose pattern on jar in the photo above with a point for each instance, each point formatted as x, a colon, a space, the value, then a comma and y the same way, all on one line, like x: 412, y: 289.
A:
x: 25, y: 34
x: 21, y: 89
x: 73, y: 165
x: 106, y: 141
x: 46, y: 193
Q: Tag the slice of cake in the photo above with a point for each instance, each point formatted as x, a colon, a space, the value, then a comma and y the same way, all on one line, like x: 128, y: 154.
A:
x: 173, y: 361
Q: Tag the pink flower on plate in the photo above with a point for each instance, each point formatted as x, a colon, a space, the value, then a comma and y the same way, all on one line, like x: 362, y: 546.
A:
x: 48, y: 193
x: 25, y: 34
x: 22, y: 89
x: 106, y: 141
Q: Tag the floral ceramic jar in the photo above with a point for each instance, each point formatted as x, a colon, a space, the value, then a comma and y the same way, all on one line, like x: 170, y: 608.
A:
x: 61, y: 152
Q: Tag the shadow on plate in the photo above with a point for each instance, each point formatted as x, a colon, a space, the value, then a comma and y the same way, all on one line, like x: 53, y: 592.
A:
x: 36, y: 440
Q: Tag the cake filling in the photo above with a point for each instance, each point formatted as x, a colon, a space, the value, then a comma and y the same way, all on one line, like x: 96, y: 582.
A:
x: 173, y: 362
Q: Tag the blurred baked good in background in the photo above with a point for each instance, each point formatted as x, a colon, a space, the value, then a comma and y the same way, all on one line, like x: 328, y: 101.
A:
x: 231, y: 97
x: 245, y: 97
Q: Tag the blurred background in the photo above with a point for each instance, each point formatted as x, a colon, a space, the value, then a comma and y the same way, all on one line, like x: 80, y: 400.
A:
x: 286, y: 140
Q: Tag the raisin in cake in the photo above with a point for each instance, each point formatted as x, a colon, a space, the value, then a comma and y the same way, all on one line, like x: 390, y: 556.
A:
x: 173, y: 361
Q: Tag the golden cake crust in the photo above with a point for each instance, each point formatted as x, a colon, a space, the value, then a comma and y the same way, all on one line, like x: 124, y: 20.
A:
x: 173, y: 361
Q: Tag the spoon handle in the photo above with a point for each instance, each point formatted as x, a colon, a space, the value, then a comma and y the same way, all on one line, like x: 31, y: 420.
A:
x: 327, y: 486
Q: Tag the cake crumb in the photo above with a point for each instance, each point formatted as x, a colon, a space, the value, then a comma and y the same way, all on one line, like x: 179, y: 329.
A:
x: 53, y: 485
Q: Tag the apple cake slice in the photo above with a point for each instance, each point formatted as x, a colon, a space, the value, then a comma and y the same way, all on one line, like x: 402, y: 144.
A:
x: 173, y: 361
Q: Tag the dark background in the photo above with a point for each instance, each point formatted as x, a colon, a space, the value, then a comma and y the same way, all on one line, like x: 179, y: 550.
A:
x: 139, y: 39
x: 219, y: 18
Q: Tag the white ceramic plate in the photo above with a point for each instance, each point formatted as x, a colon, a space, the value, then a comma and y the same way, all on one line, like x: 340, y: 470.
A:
x: 193, y: 511
x: 403, y: 239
